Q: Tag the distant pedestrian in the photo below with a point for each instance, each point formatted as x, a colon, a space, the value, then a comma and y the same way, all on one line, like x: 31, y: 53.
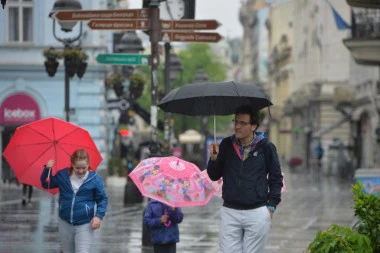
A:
x: 82, y: 201
x: 163, y: 222
x: 25, y: 188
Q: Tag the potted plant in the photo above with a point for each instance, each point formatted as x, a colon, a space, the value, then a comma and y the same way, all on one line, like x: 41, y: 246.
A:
x: 136, y: 85
x: 74, y: 59
x: 83, y: 57
x: 116, y: 81
x: 51, y: 63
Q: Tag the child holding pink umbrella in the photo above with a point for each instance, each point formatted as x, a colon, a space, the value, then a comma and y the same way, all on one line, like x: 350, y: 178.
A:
x: 163, y: 222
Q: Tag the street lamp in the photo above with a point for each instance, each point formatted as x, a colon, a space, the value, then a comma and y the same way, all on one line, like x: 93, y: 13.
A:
x: 128, y: 42
x: 202, y: 77
x: 173, y: 67
x: 61, y: 5
x: 132, y: 44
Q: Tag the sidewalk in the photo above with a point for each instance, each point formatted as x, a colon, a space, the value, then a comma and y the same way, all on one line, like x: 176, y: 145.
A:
x: 310, y: 204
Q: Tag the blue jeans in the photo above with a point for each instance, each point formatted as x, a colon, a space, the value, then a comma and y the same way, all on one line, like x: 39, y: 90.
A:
x: 76, y: 239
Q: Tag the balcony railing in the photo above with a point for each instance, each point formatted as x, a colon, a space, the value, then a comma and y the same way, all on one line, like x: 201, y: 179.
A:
x: 365, y: 23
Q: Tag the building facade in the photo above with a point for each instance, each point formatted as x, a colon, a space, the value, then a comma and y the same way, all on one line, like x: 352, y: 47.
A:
x: 27, y: 93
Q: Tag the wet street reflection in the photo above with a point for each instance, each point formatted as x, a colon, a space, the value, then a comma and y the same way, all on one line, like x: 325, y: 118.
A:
x: 311, y: 203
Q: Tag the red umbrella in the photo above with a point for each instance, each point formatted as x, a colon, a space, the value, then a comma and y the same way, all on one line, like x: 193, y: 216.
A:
x: 34, y: 144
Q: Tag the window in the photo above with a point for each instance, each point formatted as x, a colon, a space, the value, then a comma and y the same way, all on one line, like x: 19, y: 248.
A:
x: 20, y: 21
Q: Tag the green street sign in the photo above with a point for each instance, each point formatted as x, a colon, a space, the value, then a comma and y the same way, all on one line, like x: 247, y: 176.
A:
x: 123, y: 59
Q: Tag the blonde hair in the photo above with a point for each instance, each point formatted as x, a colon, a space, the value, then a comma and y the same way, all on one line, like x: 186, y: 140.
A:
x: 79, y: 155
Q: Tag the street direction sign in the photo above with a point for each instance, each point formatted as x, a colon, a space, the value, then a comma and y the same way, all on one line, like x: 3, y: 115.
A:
x: 121, y: 104
x: 190, y: 37
x: 120, y: 24
x: 142, y: 24
x: 100, y: 14
x: 123, y: 59
x: 185, y: 25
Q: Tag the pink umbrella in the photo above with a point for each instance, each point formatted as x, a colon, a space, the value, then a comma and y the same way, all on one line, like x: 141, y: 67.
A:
x: 172, y: 181
x: 216, y: 184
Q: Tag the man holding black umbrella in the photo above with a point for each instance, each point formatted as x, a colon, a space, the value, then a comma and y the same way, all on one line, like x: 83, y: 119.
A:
x: 252, y: 183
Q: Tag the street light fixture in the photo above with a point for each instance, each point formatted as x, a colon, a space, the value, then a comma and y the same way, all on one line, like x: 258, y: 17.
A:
x: 64, y: 5
x: 173, y: 67
x: 202, y: 77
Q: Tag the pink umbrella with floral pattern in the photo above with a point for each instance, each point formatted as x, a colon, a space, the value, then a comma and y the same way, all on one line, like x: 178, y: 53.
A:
x: 172, y: 181
x: 216, y: 184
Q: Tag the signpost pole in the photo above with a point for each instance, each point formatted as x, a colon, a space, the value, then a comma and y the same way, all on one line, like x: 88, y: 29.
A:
x: 167, y: 87
x: 155, y: 37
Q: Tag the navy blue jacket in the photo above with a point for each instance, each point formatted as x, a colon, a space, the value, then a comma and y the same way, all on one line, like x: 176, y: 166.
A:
x: 245, y: 183
x: 79, y: 208
x: 160, y: 234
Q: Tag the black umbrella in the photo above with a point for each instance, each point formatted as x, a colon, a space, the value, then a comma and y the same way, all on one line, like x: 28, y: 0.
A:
x: 219, y: 98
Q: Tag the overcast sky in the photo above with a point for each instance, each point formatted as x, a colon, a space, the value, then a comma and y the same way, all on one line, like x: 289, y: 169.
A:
x: 225, y: 12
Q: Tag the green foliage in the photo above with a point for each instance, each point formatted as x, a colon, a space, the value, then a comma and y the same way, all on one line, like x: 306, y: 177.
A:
x: 365, y: 236
x: 115, y: 167
x: 339, y: 239
x: 74, y: 54
x: 52, y: 54
x: 367, y: 209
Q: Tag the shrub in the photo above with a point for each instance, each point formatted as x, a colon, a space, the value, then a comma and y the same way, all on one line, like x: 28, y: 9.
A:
x: 115, y: 167
x: 367, y: 209
x: 365, y: 236
x: 339, y: 239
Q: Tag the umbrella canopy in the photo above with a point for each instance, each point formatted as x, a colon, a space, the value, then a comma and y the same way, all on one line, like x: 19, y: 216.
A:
x: 172, y: 181
x: 218, y: 98
x: 34, y: 144
x: 218, y: 185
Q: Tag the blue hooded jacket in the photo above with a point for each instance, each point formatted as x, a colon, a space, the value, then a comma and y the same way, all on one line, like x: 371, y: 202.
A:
x: 78, y: 208
x: 160, y: 234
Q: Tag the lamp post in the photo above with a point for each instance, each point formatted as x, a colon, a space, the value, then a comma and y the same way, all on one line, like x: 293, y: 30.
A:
x: 173, y: 67
x: 67, y: 42
x: 202, y: 77
x: 129, y: 43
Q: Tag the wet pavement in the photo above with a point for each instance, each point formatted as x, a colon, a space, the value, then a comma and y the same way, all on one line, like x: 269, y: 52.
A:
x: 310, y: 204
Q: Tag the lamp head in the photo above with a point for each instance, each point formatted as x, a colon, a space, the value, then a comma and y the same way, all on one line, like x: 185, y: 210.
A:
x: 66, y: 5
x: 129, y: 43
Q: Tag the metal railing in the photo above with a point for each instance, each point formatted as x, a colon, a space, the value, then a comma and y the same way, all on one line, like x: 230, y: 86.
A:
x: 365, y: 23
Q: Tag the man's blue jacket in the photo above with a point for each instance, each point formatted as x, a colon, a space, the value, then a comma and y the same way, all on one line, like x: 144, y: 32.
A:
x: 252, y: 183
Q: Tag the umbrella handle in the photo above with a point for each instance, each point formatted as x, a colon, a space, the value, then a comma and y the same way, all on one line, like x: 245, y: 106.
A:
x: 48, y: 177
x: 168, y: 223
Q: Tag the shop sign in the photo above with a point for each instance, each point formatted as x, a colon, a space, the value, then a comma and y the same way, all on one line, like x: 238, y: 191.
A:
x: 19, y: 109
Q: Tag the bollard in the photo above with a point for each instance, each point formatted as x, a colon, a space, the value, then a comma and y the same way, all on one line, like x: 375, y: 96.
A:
x: 131, y: 193
x: 145, y: 233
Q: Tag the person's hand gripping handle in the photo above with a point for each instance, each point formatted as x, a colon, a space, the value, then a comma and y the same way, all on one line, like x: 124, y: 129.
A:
x: 213, y: 149
x: 49, y: 165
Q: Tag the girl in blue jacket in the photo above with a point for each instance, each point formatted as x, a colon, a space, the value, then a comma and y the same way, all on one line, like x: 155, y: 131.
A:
x: 82, y: 201
x: 163, y: 222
